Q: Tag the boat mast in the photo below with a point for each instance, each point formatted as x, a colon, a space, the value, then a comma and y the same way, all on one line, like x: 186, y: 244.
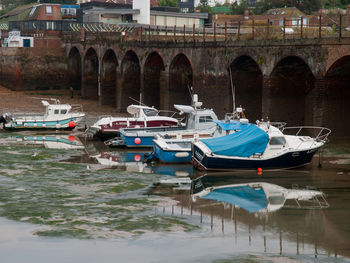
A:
x: 233, y: 91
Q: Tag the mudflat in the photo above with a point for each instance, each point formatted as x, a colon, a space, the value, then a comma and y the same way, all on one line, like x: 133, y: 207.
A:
x: 30, y: 101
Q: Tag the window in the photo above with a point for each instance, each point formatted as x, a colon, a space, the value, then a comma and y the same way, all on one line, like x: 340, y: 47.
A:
x: 48, y: 9
x: 205, y: 119
x: 57, y: 112
x: 277, y: 141
x: 63, y: 111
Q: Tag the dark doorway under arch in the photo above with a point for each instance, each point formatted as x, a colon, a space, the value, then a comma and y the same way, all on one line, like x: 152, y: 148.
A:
x: 247, y: 84
x: 74, y: 69
x: 109, y: 78
x: 290, y: 98
x: 180, y: 80
x: 337, y: 98
x: 131, y: 72
x: 90, y: 78
x: 154, y: 66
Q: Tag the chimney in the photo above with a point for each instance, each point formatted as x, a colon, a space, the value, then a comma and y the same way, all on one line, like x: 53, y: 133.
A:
x: 145, y: 11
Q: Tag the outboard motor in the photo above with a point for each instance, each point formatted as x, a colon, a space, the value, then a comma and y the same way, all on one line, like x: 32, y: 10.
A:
x: 4, y: 118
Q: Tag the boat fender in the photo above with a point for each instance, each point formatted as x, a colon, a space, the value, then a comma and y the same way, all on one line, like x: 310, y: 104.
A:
x: 182, y: 154
x: 71, y: 124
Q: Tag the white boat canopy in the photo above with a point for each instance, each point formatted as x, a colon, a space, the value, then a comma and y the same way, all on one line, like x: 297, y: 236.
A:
x: 136, y: 109
x: 184, y: 109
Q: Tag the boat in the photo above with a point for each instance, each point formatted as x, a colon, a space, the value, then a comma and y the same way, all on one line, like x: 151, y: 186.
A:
x: 141, y: 116
x: 198, y: 121
x: 261, y: 146
x: 259, y: 197
x: 57, y: 116
x: 180, y: 150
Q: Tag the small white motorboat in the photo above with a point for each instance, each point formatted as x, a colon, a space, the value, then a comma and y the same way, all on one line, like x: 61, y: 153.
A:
x: 141, y: 116
x: 57, y: 116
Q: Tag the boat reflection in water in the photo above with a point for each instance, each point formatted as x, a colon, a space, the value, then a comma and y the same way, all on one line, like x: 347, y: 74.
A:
x: 259, y: 216
x: 133, y: 161
x: 51, y: 141
x: 258, y: 196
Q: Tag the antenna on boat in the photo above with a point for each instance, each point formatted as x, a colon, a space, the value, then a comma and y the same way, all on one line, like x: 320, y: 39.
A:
x: 138, y: 101
x: 190, y: 90
x: 233, y: 90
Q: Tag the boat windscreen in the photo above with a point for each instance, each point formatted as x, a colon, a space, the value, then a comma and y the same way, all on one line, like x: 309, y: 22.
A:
x: 244, y: 143
x: 233, y: 125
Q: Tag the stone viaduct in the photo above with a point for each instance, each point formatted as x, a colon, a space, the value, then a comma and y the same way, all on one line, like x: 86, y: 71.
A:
x: 300, y: 81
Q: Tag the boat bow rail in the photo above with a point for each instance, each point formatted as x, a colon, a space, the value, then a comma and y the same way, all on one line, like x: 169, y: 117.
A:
x: 318, y: 134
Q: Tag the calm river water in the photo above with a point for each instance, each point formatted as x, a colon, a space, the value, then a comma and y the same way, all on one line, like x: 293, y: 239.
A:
x: 63, y: 199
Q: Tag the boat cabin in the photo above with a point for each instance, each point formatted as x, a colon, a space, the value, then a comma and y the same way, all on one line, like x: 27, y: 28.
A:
x: 197, y: 118
x: 56, y: 109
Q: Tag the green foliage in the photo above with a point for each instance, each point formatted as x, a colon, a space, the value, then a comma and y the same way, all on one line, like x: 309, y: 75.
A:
x: 204, y: 6
x: 172, y: 3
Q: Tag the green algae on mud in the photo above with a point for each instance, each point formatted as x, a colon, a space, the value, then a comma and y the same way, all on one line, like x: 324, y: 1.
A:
x: 67, y: 200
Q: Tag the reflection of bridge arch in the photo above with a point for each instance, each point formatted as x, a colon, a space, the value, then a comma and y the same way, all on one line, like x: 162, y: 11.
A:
x: 90, y: 77
x: 180, y: 80
x: 247, y: 82
x: 153, y: 79
x: 74, y: 69
x: 337, y: 97
x: 131, y: 72
x: 290, y: 84
x: 109, y: 78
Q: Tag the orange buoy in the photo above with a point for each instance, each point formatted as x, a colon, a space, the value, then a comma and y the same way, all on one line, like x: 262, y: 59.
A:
x: 71, y: 138
x: 71, y: 124
x: 259, y: 170
x: 137, y: 140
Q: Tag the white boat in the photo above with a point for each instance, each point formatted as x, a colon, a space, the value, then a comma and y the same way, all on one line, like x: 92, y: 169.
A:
x: 57, y: 116
x: 141, y: 116
x: 198, y: 121
x: 259, y: 197
x: 259, y: 146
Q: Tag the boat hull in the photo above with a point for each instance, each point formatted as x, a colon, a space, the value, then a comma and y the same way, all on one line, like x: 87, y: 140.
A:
x: 132, y: 141
x: 172, y: 156
x: 43, y: 125
x: 290, y: 159
x: 110, y: 130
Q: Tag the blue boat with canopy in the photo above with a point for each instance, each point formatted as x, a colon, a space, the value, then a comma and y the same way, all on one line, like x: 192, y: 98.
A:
x: 259, y: 146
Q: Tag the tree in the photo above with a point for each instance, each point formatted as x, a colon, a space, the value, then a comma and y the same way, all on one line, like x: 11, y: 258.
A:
x: 204, y: 6
x: 172, y: 3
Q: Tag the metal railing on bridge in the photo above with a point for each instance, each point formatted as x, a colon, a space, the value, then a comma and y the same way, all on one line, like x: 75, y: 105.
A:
x: 228, y: 32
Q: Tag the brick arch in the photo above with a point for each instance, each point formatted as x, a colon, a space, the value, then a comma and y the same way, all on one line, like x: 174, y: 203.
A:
x: 74, y: 68
x: 153, y: 79
x: 90, y: 89
x: 337, y: 97
x: 245, y: 77
x: 180, y: 79
x: 131, y: 76
x: 291, y: 83
x: 109, y: 65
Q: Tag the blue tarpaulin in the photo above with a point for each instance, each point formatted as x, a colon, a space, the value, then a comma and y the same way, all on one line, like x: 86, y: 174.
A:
x: 244, y: 143
x: 250, y: 199
x: 233, y: 125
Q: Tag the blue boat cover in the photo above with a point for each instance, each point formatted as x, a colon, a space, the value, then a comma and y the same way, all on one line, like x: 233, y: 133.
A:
x: 252, y: 200
x: 233, y: 125
x: 243, y: 143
